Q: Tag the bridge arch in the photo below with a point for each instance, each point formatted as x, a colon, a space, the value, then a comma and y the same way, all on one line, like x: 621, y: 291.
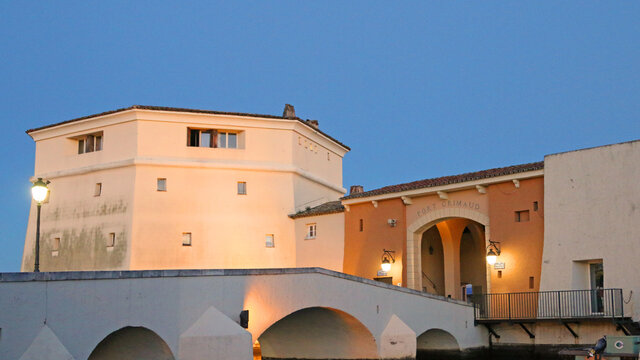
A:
x: 437, y: 340
x: 318, y: 333
x: 416, y: 230
x: 132, y: 343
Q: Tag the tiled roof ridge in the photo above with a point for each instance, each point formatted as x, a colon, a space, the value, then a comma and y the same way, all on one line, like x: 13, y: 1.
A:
x: 450, y: 179
x: 187, y: 110
x: 330, y: 207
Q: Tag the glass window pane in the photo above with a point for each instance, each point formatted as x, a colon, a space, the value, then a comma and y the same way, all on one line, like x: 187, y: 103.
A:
x: 242, y: 188
x: 194, y: 137
x: 162, y: 184
x: 269, y: 241
x: 222, y: 140
x: 80, y: 146
x: 205, y: 139
x: 186, y: 239
x: 98, y: 143
x: 89, y: 143
x: 232, y: 142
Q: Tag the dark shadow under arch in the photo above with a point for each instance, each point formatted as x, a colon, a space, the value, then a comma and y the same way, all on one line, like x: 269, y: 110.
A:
x: 318, y: 333
x: 132, y: 343
x: 432, y: 262
x: 473, y: 267
x: 437, y: 339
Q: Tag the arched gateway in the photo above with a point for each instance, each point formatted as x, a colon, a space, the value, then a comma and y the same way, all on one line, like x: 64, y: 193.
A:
x: 451, y: 234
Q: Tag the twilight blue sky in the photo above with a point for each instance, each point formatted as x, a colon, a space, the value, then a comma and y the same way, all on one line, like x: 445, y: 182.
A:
x: 417, y: 89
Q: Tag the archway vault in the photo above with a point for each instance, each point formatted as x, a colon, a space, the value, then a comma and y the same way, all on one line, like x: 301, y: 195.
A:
x: 318, y: 333
x: 132, y: 343
x: 420, y: 225
x: 437, y: 339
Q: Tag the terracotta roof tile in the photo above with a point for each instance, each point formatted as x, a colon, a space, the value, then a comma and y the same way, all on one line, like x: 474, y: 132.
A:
x: 165, y: 108
x: 330, y: 207
x: 453, y: 179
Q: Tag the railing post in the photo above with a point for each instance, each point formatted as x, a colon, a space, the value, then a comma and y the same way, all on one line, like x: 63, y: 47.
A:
x: 613, y: 306
x: 559, y: 306
x: 509, y: 304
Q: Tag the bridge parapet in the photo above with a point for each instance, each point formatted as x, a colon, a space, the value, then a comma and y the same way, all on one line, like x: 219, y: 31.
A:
x: 82, y: 308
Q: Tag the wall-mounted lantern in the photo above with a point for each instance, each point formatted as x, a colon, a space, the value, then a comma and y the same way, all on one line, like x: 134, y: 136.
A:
x: 493, y: 252
x: 387, y: 260
x: 392, y: 222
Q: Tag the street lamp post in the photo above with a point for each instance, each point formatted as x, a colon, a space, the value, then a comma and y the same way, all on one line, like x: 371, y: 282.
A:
x: 39, y: 192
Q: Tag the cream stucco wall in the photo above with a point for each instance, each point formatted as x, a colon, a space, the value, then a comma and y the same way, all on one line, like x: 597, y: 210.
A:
x: 228, y: 230
x: 83, y: 222
x: 327, y: 248
x: 592, y: 211
x: 286, y: 164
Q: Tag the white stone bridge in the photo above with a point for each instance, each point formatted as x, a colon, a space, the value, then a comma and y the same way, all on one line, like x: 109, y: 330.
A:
x: 304, y: 313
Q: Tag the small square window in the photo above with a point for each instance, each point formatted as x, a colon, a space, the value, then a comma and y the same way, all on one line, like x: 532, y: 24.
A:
x: 212, y: 138
x: 162, y: 184
x: 499, y: 274
x: 535, y: 206
x: 269, y: 241
x: 55, y: 246
x: 89, y: 143
x: 361, y: 225
x: 242, y: 188
x: 311, y: 231
x: 522, y: 216
x: 111, y: 240
x: 97, y: 191
x: 531, y: 282
x: 186, y: 239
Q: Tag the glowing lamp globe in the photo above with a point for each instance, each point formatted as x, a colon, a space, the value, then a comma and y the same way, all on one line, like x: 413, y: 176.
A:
x: 39, y: 190
x: 386, y: 265
x: 491, y: 257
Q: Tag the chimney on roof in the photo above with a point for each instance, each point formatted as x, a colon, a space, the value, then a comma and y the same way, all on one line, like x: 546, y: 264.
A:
x: 289, y: 112
x: 313, y: 123
x: 356, y: 189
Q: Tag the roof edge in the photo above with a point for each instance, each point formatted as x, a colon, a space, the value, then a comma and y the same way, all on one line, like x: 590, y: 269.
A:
x: 327, y: 208
x: 449, y: 179
x: 303, y: 215
x: 186, y: 110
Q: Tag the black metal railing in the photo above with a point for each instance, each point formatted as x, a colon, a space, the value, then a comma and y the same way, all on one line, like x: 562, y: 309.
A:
x: 549, y: 305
